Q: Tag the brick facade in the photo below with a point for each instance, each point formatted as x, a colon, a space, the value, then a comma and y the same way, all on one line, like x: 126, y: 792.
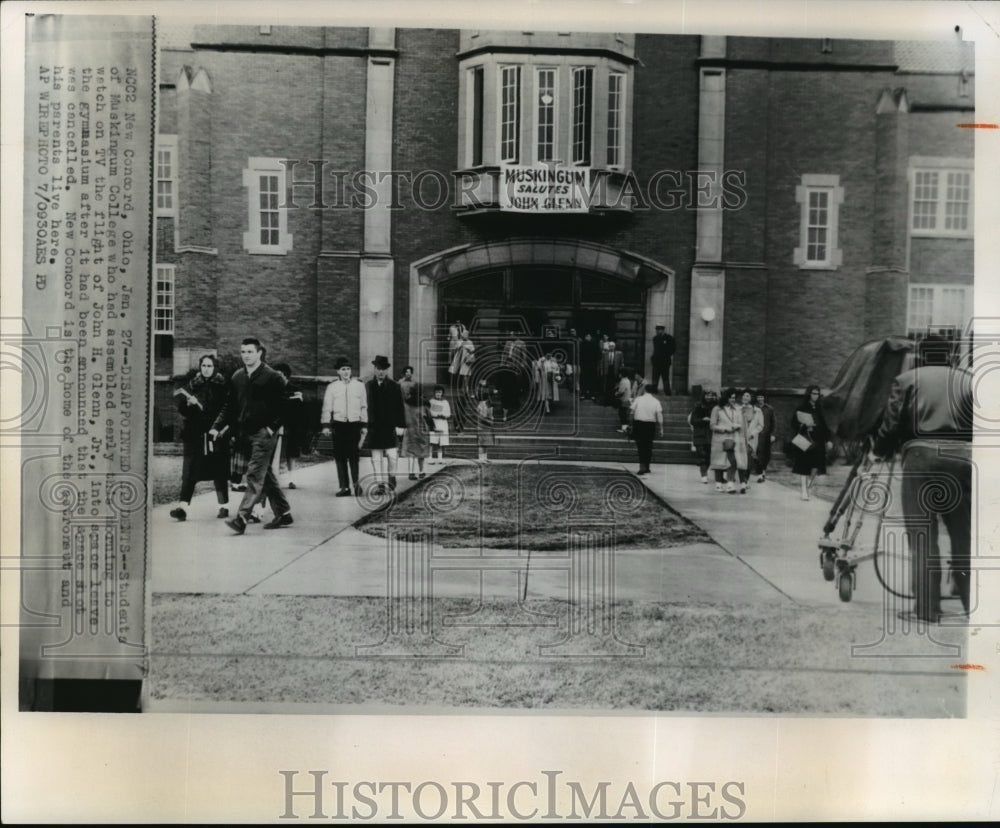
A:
x: 792, y: 108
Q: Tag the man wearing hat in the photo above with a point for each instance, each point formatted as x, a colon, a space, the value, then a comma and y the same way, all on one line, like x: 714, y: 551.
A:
x: 345, y: 410
x: 663, y: 352
x: 386, y: 421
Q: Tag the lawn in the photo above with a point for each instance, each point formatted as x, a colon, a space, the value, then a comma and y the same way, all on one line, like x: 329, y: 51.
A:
x: 662, y: 657
x: 499, y: 502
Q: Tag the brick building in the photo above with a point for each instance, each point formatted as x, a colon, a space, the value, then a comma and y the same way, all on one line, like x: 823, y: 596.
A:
x: 772, y: 202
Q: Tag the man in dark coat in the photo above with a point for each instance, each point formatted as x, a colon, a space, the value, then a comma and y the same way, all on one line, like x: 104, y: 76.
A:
x: 928, y: 417
x: 663, y: 353
x: 590, y: 360
x: 386, y: 422
x: 254, y: 409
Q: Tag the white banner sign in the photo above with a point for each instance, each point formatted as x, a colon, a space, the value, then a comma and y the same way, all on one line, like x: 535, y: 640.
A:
x: 544, y: 189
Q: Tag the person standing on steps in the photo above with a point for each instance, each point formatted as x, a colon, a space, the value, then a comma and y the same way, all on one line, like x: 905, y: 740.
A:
x: 663, y: 354
x: 345, y: 415
x: 254, y: 408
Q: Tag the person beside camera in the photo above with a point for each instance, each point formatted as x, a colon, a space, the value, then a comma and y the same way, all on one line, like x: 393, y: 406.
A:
x: 928, y: 420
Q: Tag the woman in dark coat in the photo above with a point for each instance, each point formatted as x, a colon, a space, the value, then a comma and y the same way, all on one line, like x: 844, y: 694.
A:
x: 808, y: 422
x: 293, y: 423
x: 199, y: 402
x: 416, y: 441
x: 700, y: 420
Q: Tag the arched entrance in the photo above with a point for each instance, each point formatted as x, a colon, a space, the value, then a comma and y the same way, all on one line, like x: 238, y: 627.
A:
x: 550, y: 284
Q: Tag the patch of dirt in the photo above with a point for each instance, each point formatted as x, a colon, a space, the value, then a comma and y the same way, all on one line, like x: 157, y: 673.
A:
x: 531, y: 506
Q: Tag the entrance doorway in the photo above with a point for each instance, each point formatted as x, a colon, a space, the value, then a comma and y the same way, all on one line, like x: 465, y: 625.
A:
x: 549, y: 301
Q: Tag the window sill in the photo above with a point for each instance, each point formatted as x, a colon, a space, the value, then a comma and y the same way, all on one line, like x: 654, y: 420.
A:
x: 938, y: 234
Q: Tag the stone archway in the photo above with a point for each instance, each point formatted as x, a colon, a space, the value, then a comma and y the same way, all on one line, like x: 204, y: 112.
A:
x: 428, y: 275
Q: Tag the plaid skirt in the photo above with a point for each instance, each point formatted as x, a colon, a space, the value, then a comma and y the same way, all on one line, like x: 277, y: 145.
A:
x: 239, y: 458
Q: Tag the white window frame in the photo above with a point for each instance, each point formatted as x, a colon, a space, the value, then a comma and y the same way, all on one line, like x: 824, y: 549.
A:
x: 258, y: 168
x: 563, y: 67
x: 166, y: 200
x: 615, y: 149
x: 553, y: 112
x: 471, y: 111
x: 941, y: 295
x: 577, y: 144
x: 829, y: 187
x: 509, y: 131
x: 941, y: 174
x: 164, y: 298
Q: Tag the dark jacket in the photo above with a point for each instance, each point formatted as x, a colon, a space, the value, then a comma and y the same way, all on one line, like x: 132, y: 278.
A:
x: 698, y: 419
x: 212, y: 394
x: 255, y: 402
x: 663, y: 348
x: 933, y: 402
x: 385, y: 413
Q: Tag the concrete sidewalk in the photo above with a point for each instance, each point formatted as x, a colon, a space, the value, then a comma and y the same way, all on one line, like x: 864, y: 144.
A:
x: 767, y: 550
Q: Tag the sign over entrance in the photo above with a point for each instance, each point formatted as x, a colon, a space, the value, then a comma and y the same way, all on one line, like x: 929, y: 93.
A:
x: 544, y: 189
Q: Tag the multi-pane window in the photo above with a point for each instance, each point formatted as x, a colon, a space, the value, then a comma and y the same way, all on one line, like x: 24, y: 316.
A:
x: 166, y: 173
x: 267, y: 208
x: 546, y: 115
x: 818, y: 226
x: 942, y: 202
x: 583, y: 103
x: 267, y: 211
x: 510, y: 114
x: 819, y: 198
x: 937, y: 308
x: 616, y: 115
x: 163, y: 308
x: 545, y: 109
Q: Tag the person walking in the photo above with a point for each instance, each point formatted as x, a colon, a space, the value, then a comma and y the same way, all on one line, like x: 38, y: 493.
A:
x: 762, y: 458
x: 205, y: 458
x: 729, y: 453
x: 647, y: 421
x: 292, y: 434
x: 700, y: 420
x: 810, y: 440
x: 663, y: 354
x: 386, y: 423
x: 345, y: 415
x: 254, y: 408
x: 928, y: 419
x: 753, y: 423
x: 416, y: 438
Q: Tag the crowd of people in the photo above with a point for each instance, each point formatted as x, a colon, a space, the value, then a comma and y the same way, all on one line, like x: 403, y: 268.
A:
x: 733, y: 437
x: 239, y: 432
